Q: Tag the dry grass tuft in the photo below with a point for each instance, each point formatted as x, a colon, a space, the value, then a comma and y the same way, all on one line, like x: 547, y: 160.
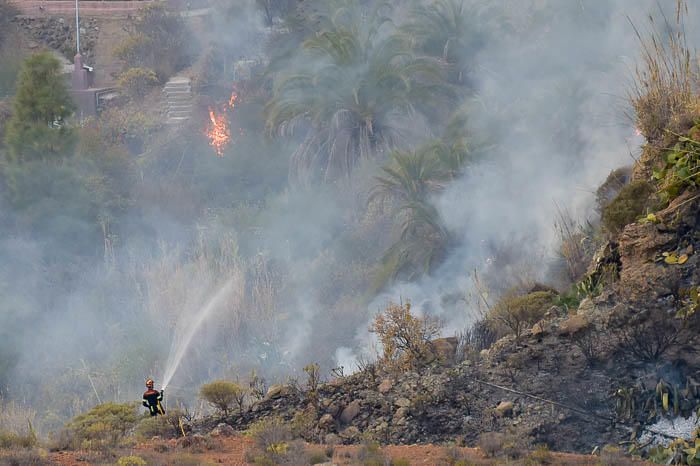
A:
x: 666, y: 85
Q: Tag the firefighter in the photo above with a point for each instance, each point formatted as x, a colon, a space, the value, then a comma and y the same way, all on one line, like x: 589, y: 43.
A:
x: 152, y: 399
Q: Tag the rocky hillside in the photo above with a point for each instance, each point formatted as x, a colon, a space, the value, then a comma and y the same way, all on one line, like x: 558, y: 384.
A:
x: 580, y: 378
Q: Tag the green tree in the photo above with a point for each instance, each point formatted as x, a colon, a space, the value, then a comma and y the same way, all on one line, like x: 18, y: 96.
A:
x: 37, y: 128
x: 445, y: 29
x: 351, y: 94
x: 407, y: 182
x: 222, y: 395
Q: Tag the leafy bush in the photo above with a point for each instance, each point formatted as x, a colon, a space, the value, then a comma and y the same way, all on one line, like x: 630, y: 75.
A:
x: 514, y: 313
x: 222, y: 395
x: 167, y: 426
x: 632, y: 202
x: 404, y: 337
x: 313, y: 372
x: 25, y: 458
x: 104, y: 425
x: 491, y: 443
x: 270, y: 434
x: 681, y: 166
x: 136, y: 82
x: 135, y: 50
x: 611, y: 187
x: 318, y: 457
x: 13, y: 440
x: 540, y: 456
x: 126, y: 127
x: 37, y: 127
x: 272, y: 438
x: 161, y: 41
x: 370, y: 454
x: 131, y: 461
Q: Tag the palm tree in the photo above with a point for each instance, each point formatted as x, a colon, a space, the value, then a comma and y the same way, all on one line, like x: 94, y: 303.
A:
x: 445, y: 29
x: 409, y: 178
x: 350, y: 95
x: 408, y: 181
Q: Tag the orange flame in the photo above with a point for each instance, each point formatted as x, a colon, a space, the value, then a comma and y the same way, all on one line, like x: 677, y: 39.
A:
x: 218, y: 132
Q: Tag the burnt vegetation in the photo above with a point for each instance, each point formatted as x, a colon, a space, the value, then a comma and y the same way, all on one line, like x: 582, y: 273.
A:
x: 333, y: 156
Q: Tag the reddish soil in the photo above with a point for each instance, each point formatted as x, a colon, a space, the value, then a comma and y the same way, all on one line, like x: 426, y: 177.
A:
x: 232, y: 451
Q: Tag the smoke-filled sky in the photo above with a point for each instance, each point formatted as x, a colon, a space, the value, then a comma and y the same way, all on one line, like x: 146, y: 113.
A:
x: 548, y: 107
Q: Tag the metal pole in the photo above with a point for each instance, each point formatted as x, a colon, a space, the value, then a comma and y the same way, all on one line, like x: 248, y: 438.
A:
x: 77, y: 28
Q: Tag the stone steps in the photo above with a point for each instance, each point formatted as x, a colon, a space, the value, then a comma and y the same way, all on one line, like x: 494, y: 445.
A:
x: 177, y: 97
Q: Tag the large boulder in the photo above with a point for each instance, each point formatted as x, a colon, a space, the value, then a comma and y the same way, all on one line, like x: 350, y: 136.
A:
x: 276, y: 391
x: 445, y: 349
x: 350, y: 412
x: 223, y: 430
x: 504, y: 409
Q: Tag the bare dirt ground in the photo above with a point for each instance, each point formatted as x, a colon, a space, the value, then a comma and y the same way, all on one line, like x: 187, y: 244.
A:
x: 232, y: 451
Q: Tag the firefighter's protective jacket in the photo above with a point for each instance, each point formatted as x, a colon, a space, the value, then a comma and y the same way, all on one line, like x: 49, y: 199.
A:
x: 151, y: 400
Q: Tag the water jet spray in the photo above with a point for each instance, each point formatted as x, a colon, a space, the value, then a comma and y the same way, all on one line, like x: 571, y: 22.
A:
x: 186, y: 328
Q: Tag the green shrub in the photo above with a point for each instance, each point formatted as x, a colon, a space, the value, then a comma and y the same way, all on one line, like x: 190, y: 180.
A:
x: 270, y: 433
x: 400, y: 462
x: 514, y: 313
x: 131, y: 461
x: 25, y: 458
x: 611, y: 187
x: 161, y: 41
x: 37, y: 128
x: 632, y: 202
x: 12, y: 440
x: 405, y: 337
x: 318, y: 457
x: 104, y: 425
x: 168, y: 426
x: 155, y: 426
x: 136, y: 82
x: 136, y: 50
x: 540, y: 456
x: 491, y: 443
x: 222, y: 395
x: 370, y: 454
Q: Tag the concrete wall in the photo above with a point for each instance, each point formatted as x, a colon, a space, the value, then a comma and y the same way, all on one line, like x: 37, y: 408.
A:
x: 87, y: 8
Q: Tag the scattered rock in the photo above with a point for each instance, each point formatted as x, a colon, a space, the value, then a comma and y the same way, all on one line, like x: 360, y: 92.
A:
x: 223, y: 430
x: 191, y: 441
x: 385, y: 386
x: 331, y: 439
x: 352, y: 433
x: 400, y: 414
x: 504, y: 409
x: 350, y: 412
x: 275, y: 391
x: 326, y: 421
x: 573, y: 324
x: 402, y: 402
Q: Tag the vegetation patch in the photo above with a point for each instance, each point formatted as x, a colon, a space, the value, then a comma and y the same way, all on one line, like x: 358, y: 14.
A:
x: 103, y: 426
x: 514, y: 313
x: 633, y: 201
x: 405, y: 338
x: 224, y: 395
